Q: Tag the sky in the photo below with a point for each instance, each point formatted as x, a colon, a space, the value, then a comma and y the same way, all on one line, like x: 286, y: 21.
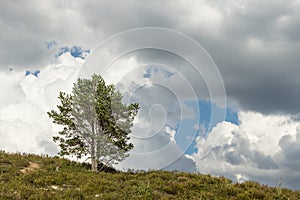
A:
x: 218, y: 81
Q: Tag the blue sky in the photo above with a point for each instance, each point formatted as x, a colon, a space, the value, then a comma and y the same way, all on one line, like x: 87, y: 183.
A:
x: 187, y: 130
x: 205, y: 108
x: 75, y: 51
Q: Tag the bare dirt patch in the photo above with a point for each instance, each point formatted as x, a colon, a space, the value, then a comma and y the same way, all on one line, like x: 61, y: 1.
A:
x: 32, y: 166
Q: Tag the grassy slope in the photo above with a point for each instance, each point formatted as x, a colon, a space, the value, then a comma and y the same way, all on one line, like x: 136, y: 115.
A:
x: 75, y: 181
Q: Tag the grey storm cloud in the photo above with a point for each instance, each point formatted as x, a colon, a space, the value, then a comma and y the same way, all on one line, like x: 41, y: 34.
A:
x: 257, y: 55
x: 254, y: 43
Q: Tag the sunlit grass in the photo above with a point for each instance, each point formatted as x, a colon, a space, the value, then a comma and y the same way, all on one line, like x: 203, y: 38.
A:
x: 62, y: 179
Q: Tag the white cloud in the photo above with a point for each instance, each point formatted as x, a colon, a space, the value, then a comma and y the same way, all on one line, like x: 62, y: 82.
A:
x: 24, y: 124
x: 171, y: 132
x: 260, y: 149
x: 241, y: 178
x: 11, y: 91
x: 201, y: 15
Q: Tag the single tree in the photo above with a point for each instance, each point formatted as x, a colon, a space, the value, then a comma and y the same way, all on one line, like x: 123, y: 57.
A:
x: 95, y: 122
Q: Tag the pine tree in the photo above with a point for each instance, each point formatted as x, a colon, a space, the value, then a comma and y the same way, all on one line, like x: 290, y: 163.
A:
x: 95, y: 122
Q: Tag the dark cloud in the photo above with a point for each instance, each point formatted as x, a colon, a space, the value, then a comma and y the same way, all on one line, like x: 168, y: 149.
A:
x: 254, y: 43
x: 256, y: 53
x: 26, y: 27
x: 115, y: 16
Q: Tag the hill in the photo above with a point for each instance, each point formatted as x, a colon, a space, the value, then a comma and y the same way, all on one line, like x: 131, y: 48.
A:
x: 27, y: 176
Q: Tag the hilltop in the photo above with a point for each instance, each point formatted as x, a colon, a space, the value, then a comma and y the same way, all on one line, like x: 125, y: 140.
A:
x: 27, y: 176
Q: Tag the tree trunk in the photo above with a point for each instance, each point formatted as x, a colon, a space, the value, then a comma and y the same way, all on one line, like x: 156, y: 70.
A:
x: 93, y: 157
x: 94, y: 164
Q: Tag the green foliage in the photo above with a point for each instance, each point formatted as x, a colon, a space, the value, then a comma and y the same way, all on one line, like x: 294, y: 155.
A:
x: 75, y: 181
x: 95, y: 122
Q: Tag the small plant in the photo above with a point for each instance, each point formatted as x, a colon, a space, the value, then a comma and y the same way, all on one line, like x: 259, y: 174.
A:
x: 279, y: 190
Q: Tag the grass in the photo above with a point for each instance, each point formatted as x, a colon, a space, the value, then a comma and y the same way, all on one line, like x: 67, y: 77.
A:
x: 75, y: 181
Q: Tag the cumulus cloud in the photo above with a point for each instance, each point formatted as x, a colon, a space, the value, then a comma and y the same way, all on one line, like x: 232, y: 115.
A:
x: 24, y: 124
x: 262, y: 148
x: 11, y: 84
